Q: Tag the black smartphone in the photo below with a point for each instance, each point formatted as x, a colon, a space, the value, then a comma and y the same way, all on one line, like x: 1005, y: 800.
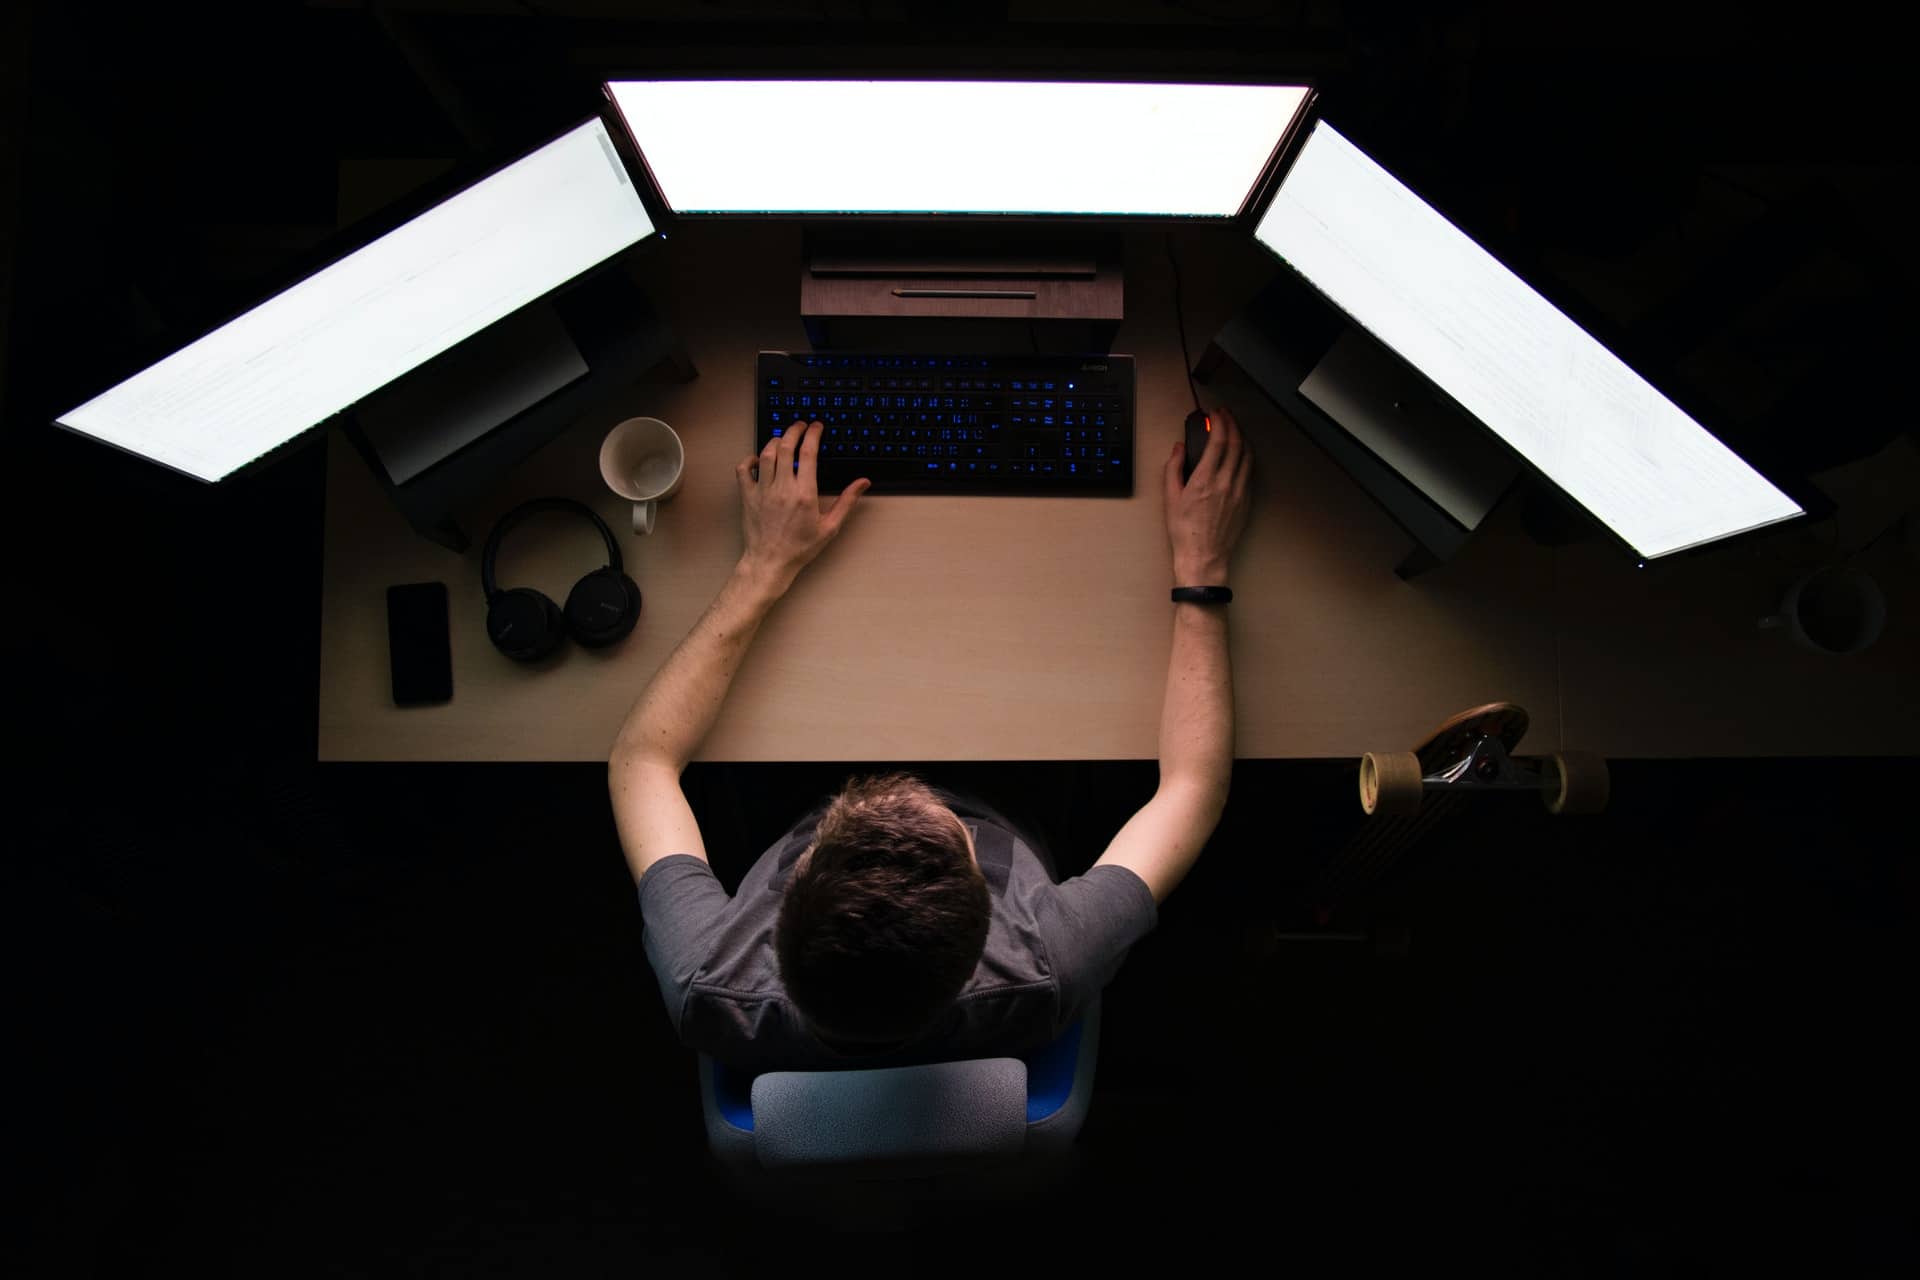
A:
x: 417, y: 643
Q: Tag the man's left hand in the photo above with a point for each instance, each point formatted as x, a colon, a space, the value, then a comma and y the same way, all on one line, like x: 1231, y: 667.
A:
x: 781, y: 512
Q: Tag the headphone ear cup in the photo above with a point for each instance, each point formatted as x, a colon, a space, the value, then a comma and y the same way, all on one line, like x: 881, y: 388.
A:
x: 524, y: 624
x: 602, y: 607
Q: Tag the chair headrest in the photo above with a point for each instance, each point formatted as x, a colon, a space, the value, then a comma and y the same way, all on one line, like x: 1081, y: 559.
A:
x: 939, y: 1114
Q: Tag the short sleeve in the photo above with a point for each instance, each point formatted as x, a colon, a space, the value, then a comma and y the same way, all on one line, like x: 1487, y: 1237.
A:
x: 1088, y: 924
x: 681, y: 905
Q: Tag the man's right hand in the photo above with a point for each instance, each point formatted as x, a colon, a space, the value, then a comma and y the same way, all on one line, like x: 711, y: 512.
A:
x: 1205, y: 516
x: 1204, y: 519
x: 780, y: 505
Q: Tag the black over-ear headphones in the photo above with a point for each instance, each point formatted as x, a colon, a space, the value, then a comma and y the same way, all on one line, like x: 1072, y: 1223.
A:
x: 525, y: 625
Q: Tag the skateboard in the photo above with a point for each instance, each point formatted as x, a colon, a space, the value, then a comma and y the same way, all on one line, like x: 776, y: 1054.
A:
x: 1405, y: 793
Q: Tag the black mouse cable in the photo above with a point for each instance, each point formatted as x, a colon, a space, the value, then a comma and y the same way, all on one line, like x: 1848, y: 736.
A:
x: 1180, y: 323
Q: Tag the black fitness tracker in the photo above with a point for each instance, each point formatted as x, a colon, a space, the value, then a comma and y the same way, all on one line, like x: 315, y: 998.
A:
x: 1202, y: 595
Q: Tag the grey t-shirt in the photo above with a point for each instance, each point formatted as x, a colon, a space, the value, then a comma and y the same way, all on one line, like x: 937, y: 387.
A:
x: 1050, y: 949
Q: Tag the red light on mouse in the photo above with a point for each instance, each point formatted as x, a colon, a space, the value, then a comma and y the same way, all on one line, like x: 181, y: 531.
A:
x: 1209, y: 422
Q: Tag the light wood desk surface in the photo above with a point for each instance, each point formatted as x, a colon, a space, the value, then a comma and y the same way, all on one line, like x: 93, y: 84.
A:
x: 1037, y: 629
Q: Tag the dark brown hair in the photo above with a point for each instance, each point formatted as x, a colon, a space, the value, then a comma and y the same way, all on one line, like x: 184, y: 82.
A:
x: 886, y: 916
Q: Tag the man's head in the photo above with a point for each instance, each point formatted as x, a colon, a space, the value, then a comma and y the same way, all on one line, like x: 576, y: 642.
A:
x: 885, y: 916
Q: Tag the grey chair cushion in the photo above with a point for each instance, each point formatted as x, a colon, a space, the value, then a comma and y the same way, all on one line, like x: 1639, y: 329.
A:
x: 941, y: 1112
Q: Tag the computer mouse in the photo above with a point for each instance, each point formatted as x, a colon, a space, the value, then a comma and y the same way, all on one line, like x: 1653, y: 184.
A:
x: 1199, y: 427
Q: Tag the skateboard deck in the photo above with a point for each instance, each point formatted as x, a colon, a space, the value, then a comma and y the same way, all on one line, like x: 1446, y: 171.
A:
x: 1380, y: 841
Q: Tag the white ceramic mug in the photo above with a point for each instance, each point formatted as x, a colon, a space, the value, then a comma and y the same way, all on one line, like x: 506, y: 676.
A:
x: 1835, y: 610
x: 642, y: 460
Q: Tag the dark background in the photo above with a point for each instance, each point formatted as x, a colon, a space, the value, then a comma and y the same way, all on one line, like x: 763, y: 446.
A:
x: 272, y: 1018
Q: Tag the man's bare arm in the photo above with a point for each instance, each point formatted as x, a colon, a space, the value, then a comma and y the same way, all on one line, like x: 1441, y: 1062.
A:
x: 785, y: 529
x: 1205, y: 517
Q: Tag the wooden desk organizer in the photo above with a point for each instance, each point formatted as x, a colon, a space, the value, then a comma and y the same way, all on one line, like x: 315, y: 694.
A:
x: 920, y: 290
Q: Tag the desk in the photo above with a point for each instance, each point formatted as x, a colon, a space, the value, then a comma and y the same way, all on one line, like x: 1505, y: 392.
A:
x: 1037, y: 629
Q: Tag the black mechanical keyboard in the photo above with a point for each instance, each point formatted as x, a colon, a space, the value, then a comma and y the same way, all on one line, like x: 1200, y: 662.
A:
x: 1055, y: 425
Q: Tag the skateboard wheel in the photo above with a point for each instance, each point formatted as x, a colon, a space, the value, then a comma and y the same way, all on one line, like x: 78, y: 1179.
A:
x: 1579, y: 784
x: 1390, y: 782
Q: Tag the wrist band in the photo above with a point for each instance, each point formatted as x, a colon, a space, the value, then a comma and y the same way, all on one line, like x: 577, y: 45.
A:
x: 1202, y: 595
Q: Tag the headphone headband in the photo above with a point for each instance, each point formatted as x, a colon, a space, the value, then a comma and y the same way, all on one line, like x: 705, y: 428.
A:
x: 512, y: 518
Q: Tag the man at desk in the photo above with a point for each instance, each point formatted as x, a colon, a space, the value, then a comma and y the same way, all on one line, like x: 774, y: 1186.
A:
x: 899, y: 924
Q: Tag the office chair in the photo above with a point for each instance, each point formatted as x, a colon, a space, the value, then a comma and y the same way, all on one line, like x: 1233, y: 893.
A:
x: 878, y: 1141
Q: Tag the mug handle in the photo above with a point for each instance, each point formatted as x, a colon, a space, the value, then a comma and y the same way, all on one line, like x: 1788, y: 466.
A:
x: 643, y: 515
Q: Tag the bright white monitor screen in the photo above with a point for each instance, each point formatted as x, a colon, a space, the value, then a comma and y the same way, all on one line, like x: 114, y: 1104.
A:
x: 982, y: 147
x: 304, y: 355
x: 1509, y: 357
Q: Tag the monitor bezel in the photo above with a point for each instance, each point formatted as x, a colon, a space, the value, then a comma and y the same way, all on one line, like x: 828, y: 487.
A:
x: 466, y: 172
x: 1504, y: 250
x: 1242, y: 221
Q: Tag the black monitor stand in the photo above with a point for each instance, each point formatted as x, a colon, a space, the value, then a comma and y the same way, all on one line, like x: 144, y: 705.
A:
x: 980, y: 289
x: 1434, y: 471
x: 449, y: 430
